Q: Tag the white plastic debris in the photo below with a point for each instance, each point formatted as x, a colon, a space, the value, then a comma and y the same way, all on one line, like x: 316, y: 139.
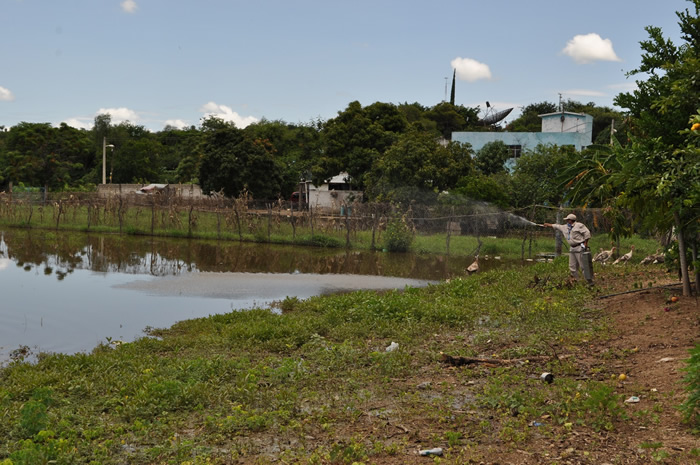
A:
x: 392, y: 347
x: 632, y: 400
x: 434, y: 451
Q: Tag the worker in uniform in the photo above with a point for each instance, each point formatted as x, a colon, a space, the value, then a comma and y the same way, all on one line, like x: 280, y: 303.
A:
x: 577, y: 235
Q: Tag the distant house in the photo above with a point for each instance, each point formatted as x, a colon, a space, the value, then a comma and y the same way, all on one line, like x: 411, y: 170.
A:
x: 192, y: 191
x: 561, y: 128
x: 332, y: 194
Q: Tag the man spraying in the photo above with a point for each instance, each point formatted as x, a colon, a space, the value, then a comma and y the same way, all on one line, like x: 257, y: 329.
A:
x: 577, y: 235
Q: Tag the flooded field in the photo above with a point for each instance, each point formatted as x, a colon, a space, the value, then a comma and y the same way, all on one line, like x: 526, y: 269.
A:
x: 68, y: 292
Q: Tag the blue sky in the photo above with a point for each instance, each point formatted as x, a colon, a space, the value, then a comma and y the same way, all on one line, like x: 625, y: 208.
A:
x: 158, y: 62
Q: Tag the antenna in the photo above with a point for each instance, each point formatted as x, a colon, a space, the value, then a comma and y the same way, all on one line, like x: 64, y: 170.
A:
x: 445, y: 100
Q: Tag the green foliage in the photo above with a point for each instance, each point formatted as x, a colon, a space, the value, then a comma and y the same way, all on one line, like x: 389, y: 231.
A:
x: 398, y: 236
x: 494, y: 188
x: 321, y: 240
x: 234, y: 163
x: 354, y: 452
x: 691, y: 407
x: 416, y: 161
x: 33, y: 418
x: 538, y: 173
x: 602, y: 407
x: 529, y: 119
x: 355, y: 139
x: 314, y: 369
x: 491, y: 158
x: 40, y: 155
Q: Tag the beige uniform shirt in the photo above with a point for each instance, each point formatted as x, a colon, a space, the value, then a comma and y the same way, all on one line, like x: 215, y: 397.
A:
x: 575, y: 236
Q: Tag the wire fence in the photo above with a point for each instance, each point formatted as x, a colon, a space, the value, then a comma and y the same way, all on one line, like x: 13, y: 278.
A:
x: 245, y: 218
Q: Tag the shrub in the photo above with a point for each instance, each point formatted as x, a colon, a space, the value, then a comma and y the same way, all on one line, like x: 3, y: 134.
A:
x: 398, y: 236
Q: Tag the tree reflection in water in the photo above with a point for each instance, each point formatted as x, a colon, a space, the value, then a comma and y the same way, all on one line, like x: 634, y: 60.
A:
x: 61, y: 252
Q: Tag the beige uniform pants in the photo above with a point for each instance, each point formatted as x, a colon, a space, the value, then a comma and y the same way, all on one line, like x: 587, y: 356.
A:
x: 575, y: 260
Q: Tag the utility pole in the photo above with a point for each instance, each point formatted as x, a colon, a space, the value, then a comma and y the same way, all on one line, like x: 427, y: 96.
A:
x: 104, y: 159
x: 612, y: 131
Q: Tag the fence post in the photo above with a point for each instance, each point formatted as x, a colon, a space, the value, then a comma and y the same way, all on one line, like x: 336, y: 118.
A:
x: 269, y: 222
x: 153, y: 212
x: 449, y: 231
x: 291, y: 220
x: 311, y: 220
x: 347, y: 226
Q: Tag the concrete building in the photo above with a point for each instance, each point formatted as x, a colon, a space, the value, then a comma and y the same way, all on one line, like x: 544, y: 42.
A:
x: 332, y: 195
x: 560, y: 128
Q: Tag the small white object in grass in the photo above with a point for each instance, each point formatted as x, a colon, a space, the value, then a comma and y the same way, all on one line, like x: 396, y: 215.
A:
x: 392, y: 347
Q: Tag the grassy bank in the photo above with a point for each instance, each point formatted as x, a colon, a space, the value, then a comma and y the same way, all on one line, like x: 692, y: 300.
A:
x: 279, y: 227
x: 297, y: 386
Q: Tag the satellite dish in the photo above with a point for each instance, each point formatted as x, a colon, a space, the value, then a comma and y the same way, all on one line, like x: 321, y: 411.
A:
x: 493, y: 117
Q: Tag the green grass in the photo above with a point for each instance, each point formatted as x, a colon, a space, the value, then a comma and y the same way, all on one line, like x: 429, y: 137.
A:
x: 277, y: 229
x: 220, y: 388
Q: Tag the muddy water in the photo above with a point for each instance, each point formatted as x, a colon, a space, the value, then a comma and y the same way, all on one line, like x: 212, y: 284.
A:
x: 68, y: 292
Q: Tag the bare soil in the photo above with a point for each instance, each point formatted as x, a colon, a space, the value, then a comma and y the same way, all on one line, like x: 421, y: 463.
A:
x: 650, y: 339
x: 648, y: 342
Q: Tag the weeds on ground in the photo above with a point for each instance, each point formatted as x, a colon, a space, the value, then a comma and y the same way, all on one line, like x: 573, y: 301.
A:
x: 227, y: 387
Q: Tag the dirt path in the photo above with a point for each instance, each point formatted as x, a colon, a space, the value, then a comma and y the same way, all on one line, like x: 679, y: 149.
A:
x: 650, y: 339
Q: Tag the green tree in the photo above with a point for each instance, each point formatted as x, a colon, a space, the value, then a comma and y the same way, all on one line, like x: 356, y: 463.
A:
x: 416, y: 164
x: 353, y: 140
x: 136, y: 157
x: 295, y: 147
x: 537, y: 175
x: 447, y: 119
x: 658, y: 177
x: 494, y: 188
x: 492, y: 157
x: 233, y: 163
x: 39, y: 155
x: 529, y: 119
x: 178, y: 154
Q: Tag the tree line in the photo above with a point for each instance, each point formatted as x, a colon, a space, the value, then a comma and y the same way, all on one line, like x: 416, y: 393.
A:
x: 390, y: 151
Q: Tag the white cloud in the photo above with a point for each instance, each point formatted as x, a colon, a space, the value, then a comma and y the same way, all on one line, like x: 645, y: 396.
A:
x: 176, y: 123
x: 119, y: 115
x: 227, y: 114
x: 584, y: 92
x: 6, y: 95
x: 129, y: 6
x: 589, y: 48
x: 624, y: 87
x: 470, y: 70
x: 79, y: 123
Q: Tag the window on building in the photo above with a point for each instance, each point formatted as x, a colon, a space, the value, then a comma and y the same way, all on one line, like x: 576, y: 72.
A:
x: 515, y: 150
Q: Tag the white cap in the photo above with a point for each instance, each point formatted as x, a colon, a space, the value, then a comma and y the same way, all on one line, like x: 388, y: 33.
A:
x: 571, y: 217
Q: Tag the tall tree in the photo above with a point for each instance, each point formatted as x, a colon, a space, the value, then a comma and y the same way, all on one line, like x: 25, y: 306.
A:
x: 491, y: 158
x: 136, y: 157
x: 354, y: 139
x: 418, y: 165
x: 658, y: 177
x: 233, y: 162
x: 537, y: 172
x: 452, y: 92
x: 39, y: 155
